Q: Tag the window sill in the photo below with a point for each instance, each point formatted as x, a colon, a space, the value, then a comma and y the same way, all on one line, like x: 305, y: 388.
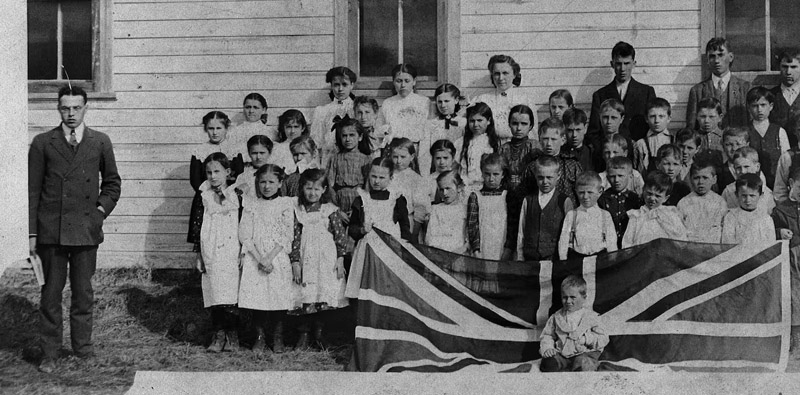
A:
x: 53, y: 96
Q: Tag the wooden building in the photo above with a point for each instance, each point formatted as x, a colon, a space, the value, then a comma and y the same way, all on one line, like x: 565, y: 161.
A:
x: 159, y: 65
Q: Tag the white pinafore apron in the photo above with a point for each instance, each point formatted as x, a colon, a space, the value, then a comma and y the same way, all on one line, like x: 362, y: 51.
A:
x: 447, y: 227
x: 318, y: 257
x: 492, y: 215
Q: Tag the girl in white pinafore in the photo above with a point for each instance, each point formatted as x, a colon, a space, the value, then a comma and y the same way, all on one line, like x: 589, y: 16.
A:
x: 266, y: 233
x: 447, y: 227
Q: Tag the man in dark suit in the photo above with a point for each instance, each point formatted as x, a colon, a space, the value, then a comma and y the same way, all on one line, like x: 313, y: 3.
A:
x: 73, y: 185
x: 786, y: 109
x: 731, y: 91
x: 633, y: 94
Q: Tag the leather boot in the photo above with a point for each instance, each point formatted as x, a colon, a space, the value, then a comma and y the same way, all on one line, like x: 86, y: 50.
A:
x: 277, y: 338
x: 302, y: 342
x: 260, y: 345
x: 218, y: 342
x: 232, y: 341
x: 319, y: 340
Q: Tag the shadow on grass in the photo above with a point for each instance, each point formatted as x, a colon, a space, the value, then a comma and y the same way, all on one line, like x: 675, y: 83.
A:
x: 19, y: 323
x: 177, y: 314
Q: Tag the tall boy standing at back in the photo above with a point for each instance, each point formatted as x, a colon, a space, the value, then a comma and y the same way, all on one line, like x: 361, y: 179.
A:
x: 633, y: 94
x: 728, y: 89
x: 786, y: 111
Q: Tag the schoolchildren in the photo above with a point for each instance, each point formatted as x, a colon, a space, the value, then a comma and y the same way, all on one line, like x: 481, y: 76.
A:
x: 786, y: 218
x: 654, y: 220
x: 703, y: 209
x: 542, y: 213
x: 347, y: 167
x: 447, y: 226
x: 559, y: 102
x: 266, y: 235
x: 722, y: 86
x: 216, y: 221
x: 747, y: 224
x: 612, y: 117
x: 291, y: 124
x: 449, y: 123
x: 746, y: 161
x: 304, y: 154
x: 443, y: 156
x: 487, y: 211
x: 572, y: 338
x: 587, y: 229
x: 668, y: 159
x: 259, y: 148
x: 732, y: 140
x: 341, y: 80
x: 406, y: 180
x: 552, y: 136
x: 618, y: 199
x: 317, y: 255
x: 659, y: 113
x: 575, y: 121
x: 688, y: 141
x: 479, y: 139
x: 505, y: 76
x: 381, y: 206
x: 252, y: 120
x: 709, y: 117
x: 616, y: 145
x: 405, y: 112
x: 769, y: 139
x: 366, y: 113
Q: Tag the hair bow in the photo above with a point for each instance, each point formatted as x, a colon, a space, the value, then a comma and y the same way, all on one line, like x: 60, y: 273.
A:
x: 337, y: 119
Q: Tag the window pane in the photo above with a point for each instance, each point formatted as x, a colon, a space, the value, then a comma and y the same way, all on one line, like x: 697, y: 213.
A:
x: 419, y: 36
x: 42, y: 50
x: 745, y: 29
x: 784, y: 28
x: 77, y: 20
x: 378, y: 51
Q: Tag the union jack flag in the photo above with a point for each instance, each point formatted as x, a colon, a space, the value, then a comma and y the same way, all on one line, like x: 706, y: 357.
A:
x: 666, y: 305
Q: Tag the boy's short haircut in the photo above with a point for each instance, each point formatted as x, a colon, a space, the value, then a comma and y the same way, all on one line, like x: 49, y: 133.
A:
x: 553, y: 123
x: 623, y: 50
x: 545, y: 161
x: 687, y: 134
x: 661, y: 103
x: 746, y: 153
x: 757, y: 93
x: 710, y: 103
x: 618, y: 140
x: 718, y: 43
x: 494, y: 159
x: 668, y: 150
x: 366, y: 100
x: 588, y: 178
x: 573, y: 281
x: 752, y: 181
x: 702, y: 162
x: 69, y: 90
x: 789, y: 54
x: 613, y: 103
x: 659, y: 181
x: 574, y: 116
x: 620, y: 162
x: 730, y: 132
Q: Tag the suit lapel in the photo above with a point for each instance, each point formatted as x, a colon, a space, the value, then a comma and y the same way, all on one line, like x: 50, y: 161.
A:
x: 59, y: 142
x: 86, y: 145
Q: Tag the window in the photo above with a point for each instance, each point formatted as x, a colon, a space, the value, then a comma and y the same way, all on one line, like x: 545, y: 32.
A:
x: 759, y: 30
x: 372, y: 36
x: 69, y: 39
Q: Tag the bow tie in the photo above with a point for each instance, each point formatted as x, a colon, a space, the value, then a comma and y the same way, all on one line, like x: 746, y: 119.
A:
x: 219, y: 192
x: 448, y: 120
x: 504, y: 94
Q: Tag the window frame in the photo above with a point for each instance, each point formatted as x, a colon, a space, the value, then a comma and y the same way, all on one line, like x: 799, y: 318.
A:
x: 712, y: 24
x: 100, y: 86
x: 346, y: 45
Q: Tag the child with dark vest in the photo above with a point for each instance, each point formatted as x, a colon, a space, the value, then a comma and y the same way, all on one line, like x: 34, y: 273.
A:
x: 769, y: 139
x: 573, y: 337
x: 618, y: 199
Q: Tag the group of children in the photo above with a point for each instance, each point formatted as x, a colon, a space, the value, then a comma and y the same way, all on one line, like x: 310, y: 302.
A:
x: 273, y: 235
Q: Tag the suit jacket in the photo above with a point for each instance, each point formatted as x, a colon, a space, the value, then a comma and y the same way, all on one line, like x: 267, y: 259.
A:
x: 735, y: 113
x: 634, y: 124
x: 787, y: 115
x: 65, y: 187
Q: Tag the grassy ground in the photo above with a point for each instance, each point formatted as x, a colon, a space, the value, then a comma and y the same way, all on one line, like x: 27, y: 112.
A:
x: 141, y: 323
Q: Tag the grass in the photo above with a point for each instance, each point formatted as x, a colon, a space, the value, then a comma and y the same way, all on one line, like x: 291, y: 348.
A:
x: 142, y: 321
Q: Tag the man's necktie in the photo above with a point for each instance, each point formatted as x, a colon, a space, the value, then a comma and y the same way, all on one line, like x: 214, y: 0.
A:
x: 73, y: 140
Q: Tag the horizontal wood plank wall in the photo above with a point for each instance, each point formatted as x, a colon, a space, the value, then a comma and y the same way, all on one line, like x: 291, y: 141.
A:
x: 568, y: 45
x: 174, y: 61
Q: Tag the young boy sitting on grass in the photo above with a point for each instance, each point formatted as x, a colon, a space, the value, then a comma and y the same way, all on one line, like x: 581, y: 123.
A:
x: 703, y: 209
x: 573, y: 338
x: 618, y: 199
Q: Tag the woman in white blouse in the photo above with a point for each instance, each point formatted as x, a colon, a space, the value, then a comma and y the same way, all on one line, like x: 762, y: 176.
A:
x: 506, y: 77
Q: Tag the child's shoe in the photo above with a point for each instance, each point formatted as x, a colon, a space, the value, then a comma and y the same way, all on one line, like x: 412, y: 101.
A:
x: 218, y: 342
x: 302, y: 342
x: 277, y: 339
x: 232, y: 341
x: 260, y: 346
x: 319, y: 340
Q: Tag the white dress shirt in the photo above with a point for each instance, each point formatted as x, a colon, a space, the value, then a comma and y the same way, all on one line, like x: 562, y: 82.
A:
x: 78, y: 131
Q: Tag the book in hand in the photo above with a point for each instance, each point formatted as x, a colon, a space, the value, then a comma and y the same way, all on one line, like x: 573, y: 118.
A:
x: 38, y: 271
